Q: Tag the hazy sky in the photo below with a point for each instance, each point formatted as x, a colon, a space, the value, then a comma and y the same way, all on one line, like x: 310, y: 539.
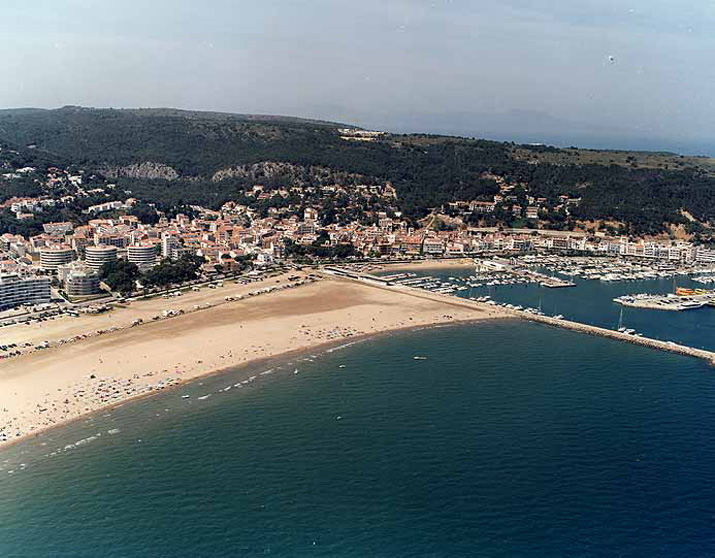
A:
x: 624, y: 73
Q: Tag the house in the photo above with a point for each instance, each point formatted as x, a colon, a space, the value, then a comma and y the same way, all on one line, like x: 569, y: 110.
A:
x: 482, y: 207
x: 58, y: 228
x: 432, y: 246
x: 454, y: 249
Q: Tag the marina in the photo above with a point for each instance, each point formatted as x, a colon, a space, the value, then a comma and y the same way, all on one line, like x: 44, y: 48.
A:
x: 604, y: 308
x: 628, y: 335
x: 612, y: 270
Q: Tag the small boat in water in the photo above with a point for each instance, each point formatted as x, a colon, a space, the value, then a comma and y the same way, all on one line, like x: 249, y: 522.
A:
x: 419, y: 358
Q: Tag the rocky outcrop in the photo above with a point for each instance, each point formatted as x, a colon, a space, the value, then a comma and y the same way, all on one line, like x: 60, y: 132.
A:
x: 287, y: 174
x: 266, y: 169
x: 147, y: 169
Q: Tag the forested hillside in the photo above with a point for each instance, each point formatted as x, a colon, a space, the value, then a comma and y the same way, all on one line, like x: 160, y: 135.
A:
x: 173, y: 157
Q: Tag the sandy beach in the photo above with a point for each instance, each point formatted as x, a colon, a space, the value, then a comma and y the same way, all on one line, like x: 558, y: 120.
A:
x: 47, y: 388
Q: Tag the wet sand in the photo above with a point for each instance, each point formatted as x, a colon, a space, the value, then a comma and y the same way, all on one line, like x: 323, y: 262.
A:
x: 51, y: 387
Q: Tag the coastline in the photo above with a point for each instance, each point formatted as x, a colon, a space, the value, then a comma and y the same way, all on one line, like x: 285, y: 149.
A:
x: 286, y: 356
x: 50, y: 389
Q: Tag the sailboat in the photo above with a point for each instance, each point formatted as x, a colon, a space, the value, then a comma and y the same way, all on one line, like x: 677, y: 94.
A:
x: 621, y: 327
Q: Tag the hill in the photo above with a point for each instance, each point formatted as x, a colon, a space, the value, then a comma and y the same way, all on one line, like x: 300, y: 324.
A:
x: 170, y: 156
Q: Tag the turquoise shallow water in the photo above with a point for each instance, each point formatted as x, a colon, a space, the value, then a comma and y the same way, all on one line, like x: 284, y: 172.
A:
x: 512, y: 439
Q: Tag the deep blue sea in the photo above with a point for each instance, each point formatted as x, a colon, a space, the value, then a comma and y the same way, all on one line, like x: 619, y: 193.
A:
x: 513, y: 439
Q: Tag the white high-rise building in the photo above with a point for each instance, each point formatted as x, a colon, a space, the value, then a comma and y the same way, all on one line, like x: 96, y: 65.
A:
x: 171, y: 248
x: 54, y: 256
x: 16, y: 290
x: 96, y: 256
x: 143, y: 255
x: 82, y: 282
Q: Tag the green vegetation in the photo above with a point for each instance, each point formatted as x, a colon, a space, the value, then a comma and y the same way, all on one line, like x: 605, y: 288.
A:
x: 647, y: 192
x: 173, y: 272
x: 18, y: 187
x: 145, y: 213
x: 120, y: 276
x: 631, y: 159
x: 320, y: 251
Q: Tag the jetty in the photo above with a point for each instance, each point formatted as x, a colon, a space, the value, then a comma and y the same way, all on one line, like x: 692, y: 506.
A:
x: 668, y: 346
x: 528, y: 275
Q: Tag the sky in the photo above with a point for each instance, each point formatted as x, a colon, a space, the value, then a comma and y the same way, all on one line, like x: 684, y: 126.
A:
x: 635, y: 74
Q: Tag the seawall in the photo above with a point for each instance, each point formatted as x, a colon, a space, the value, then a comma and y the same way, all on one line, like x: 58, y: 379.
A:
x: 500, y: 312
x: 669, y: 346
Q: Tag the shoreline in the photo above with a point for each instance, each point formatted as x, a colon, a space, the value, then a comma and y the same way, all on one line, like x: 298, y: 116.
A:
x: 598, y: 331
x: 99, y: 373
x: 47, y: 389
x: 328, y: 346
x: 288, y: 355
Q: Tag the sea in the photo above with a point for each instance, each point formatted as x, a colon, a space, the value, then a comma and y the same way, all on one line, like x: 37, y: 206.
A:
x: 591, y: 302
x: 508, y: 439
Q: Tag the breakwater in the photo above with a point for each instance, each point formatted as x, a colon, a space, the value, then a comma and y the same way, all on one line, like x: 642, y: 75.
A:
x: 634, y: 339
x: 501, y: 312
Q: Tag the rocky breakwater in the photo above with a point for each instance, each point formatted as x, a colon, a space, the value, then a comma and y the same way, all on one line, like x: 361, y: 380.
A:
x: 669, y: 346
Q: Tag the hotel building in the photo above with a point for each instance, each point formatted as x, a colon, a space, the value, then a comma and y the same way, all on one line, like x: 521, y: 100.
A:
x: 16, y: 290
x: 143, y: 255
x: 53, y: 257
x: 96, y: 256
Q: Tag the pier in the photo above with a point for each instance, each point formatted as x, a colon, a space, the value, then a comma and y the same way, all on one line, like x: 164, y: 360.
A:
x: 528, y: 275
x: 358, y: 276
x: 669, y: 302
x: 668, y: 346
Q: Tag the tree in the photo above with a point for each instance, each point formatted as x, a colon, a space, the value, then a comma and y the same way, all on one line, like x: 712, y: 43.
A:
x: 171, y: 272
x: 120, y: 275
x: 146, y: 213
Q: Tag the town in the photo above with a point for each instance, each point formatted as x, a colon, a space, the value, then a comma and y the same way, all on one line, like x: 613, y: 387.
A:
x: 117, y: 245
